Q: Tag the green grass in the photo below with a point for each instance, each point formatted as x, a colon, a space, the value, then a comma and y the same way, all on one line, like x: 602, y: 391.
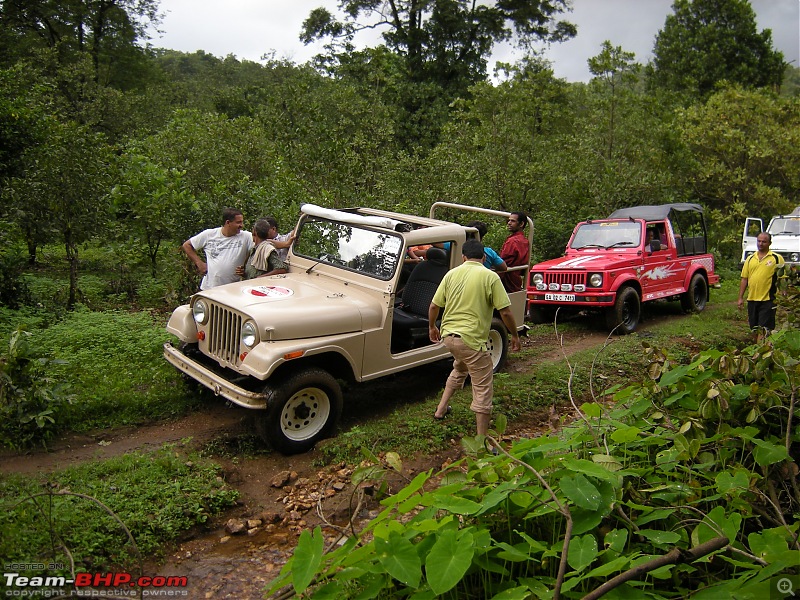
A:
x: 156, y: 495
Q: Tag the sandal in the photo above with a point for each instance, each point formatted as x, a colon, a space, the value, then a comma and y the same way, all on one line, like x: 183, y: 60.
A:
x: 446, y: 412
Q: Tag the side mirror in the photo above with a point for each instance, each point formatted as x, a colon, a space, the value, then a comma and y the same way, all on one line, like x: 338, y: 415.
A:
x: 655, y: 245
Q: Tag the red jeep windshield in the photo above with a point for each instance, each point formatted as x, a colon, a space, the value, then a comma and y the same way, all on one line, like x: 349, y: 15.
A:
x: 609, y: 234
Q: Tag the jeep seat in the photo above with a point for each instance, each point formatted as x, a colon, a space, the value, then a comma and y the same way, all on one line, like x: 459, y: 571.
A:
x: 410, y: 320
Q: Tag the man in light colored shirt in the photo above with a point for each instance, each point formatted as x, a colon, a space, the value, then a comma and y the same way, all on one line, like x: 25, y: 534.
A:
x: 225, y: 248
x: 470, y: 294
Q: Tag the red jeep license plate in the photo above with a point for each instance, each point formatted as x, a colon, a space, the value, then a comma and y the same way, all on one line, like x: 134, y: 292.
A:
x: 560, y: 297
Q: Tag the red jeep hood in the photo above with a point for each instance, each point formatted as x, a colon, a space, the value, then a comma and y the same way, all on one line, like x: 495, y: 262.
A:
x: 592, y: 260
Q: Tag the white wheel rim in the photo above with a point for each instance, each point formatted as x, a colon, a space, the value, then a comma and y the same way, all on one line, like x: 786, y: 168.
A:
x: 495, y: 346
x: 305, y: 414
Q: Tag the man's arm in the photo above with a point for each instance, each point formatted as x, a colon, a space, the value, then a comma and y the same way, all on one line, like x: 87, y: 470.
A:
x: 433, y: 331
x: 194, y: 257
x: 742, y: 288
x: 511, y: 325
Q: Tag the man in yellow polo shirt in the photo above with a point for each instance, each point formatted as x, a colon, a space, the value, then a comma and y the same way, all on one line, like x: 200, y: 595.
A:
x: 760, y: 275
x: 469, y: 295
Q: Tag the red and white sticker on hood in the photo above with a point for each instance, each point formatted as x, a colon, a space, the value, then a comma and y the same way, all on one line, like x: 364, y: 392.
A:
x: 267, y: 291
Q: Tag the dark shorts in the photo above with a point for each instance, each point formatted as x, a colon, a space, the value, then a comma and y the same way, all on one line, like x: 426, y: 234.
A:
x: 761, y: 314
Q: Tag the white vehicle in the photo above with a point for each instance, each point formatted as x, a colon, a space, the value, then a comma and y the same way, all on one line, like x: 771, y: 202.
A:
x: 785, y: 232
x: 280, y: 344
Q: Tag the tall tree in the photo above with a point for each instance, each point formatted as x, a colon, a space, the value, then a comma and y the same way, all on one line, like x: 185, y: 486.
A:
x: 444, y: 44
x: 612, y: 68
x: 707, y: 41
x: 107, y: 30
x: 65, y: 186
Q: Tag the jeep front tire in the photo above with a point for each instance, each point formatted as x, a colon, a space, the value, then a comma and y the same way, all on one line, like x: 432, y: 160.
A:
x: 302, y: 409
x: 623, y: 317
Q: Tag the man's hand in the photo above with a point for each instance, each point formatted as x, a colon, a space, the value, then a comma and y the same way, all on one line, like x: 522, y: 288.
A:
x: 516, y: 345
x: 740, y: 303
x: 433, y: 334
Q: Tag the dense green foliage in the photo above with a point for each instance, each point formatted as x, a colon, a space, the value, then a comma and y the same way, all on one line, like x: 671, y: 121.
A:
x: 153, y: 497
x: 705, y: 42
x: 698, y: 458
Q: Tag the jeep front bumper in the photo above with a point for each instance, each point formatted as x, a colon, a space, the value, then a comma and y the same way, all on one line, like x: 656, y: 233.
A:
x: 213, y: 381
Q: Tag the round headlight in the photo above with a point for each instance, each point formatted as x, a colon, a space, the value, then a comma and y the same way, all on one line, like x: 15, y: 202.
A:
x: 249, y: 334
x: 537, y: 278
x: 596, y: 279
x: 794, y: 257
x: 200, y: 312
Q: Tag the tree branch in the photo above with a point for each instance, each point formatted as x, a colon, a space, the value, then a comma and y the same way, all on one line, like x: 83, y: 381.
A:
x: 674, y: 556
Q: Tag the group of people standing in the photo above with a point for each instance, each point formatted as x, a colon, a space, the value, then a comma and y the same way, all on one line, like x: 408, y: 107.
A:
x: 232, y: 254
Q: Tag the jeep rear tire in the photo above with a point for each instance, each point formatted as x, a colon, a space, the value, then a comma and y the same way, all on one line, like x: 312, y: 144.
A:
x: 694, y: 299
x: 497, y: 345
x: 302, y: 409
x: 623, y: 317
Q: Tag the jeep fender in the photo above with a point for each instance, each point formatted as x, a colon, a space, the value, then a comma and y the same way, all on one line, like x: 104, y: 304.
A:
x: 263, y: 361
x: 181, y: 324
x: 691, y: 271
x: 626, y: 279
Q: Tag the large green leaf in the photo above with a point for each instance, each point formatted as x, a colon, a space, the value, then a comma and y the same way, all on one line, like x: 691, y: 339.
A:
x: 580, y: 491
x: 660, y: 537
x: 767, y: 454
x: 400, y: 559
x: 449, y: 560
x: 715, y: 524
x: 582, y: 551
x: 733, y: 484
x: 307, y: 558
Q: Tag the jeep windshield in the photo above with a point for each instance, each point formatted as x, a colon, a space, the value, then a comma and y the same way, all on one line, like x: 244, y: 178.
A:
x: 350, y: 247
x: 790, y: 226
x: 608, y: 234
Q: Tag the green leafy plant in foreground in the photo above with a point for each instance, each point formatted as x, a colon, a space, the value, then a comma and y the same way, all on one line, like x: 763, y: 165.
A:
x: 684, y: 485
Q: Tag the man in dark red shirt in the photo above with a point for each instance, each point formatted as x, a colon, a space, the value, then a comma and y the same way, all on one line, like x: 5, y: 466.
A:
x: 515, y: 251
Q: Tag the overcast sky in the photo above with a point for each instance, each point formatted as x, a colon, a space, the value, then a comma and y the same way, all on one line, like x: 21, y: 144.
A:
x: 250, y: 29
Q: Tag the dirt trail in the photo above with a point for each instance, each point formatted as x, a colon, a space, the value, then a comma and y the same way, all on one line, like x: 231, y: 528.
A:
x: 278, y: 494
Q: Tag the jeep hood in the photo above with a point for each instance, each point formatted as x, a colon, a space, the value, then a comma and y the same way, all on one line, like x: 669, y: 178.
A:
x: 592, y: 260
x: 297, y: 306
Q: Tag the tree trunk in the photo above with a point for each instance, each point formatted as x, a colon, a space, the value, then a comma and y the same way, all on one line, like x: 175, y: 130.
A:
x: 72, y: 259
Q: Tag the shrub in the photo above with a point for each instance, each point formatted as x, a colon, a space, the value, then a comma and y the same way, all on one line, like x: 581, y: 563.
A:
x: 31, y: 404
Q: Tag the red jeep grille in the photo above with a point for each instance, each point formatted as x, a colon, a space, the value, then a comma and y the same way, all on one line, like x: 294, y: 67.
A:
x: 561, y: 277
x: 224, y: 335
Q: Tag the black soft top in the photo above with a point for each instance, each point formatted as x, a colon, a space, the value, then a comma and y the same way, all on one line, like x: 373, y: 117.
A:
x: 654, y: 213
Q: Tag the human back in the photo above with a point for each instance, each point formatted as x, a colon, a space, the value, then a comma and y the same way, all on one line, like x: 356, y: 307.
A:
x: 470, y: 293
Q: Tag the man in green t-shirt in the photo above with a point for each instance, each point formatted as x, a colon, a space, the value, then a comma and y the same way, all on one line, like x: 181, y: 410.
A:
x: 469, y: 295
x: 760, y: 275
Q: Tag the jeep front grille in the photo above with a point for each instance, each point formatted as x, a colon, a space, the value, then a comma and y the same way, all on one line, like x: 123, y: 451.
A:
x: 560, y: 278
x: 224, y: 335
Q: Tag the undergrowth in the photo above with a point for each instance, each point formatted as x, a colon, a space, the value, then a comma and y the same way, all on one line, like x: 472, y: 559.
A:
x: 80, y: 515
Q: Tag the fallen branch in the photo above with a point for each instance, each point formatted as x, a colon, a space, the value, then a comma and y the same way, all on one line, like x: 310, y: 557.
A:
x: 674, y: 556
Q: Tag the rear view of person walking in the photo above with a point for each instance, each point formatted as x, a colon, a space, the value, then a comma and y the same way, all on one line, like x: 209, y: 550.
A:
x: 469, y: 295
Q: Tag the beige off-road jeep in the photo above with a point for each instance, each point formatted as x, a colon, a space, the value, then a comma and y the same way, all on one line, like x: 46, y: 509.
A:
x: 348, y: 309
